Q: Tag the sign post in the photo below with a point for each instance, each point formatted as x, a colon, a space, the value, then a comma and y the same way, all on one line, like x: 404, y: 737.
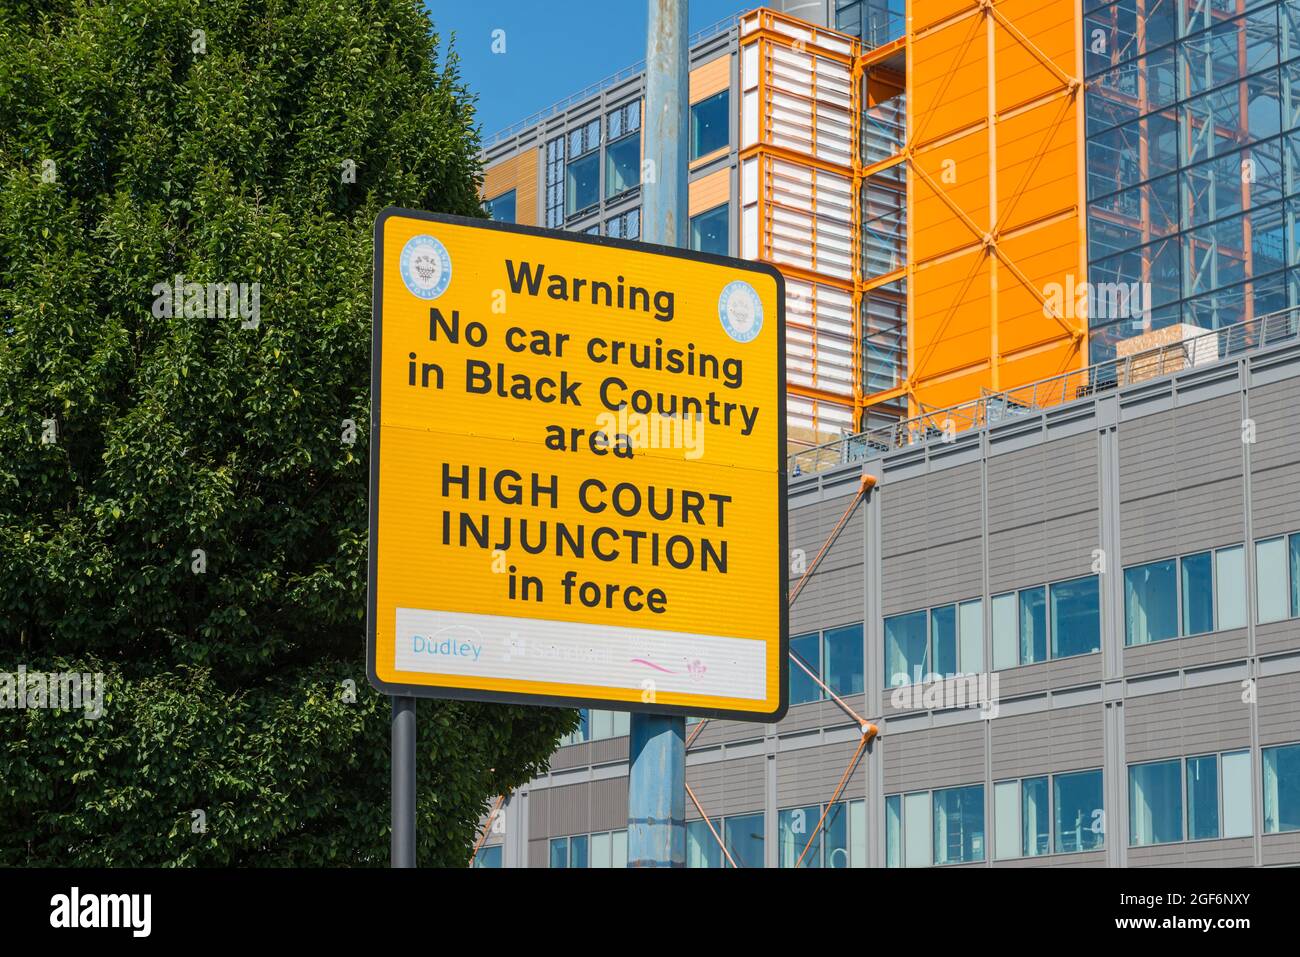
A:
x: 577, y: 475
x: 656, y: 786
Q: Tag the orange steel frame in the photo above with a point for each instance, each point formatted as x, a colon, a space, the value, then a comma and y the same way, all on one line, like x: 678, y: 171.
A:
x: 1060, y: 350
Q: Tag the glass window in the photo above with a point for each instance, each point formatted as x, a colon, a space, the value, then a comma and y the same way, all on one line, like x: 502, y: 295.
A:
x: 1035, y: 839
x: 602, y: 850
x: 1198, y: 594
x: 1271, y: 580
x: 857, y: 835
x: 582, y: 183
x: 1079, y: 815
x: 893, y: 830
x: 1006, y: 820
x: 844, y: 660
x: 1238, y: 813
x: 1033, y: 625
x: 943, y: 635
x: 578, y: 851
x: 793, y: 829
x: 1295, y: 576
x: 559, y: 852
x: 916, y: 830
x: 1203, y: 797
x: 1005, y: 654
x: 623, y: 165
x: 709, y: 119
x: 1281, y: 789
x: 502, y: 209
x: 1150, y: 603
x: 555, y: 182
x: 833, y: 841
x: 1155, y: 803
x: 702, y: 848
x: 1076, y: 617
x: 619, y: 849
x: 905, y: 648
x: 970, y: 637
x: 1230, y: 586
x: 744, y: 837
x: 488, y: 856
x: 959, y: 825
x: 710, y: 232
x: 802, y: 687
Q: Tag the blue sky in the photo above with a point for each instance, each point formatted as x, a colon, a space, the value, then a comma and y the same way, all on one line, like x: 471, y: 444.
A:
x: 553, y: 47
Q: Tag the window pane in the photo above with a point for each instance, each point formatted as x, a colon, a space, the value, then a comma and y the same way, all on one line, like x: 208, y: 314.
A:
x: 916, y: 830
x: 1238, y: 819
x: 1035, y: 840
x: 1155, y: 801
x: 1004, y: 632
x: 1078, y: 811
x: 970, y: 636
x: 802, y: 687
x: 1033, y: 625
x: 602, y: 724
x: 1230, y: 586
x: 559, y: 852
x: 1295, y: 576
x: 1150, y: 603
x: 709, y: 125
x: 709, y: 232
x: 1198, y: 594
x: 488, y: 856
x: 943, y: 635
x: 702, y: 849
x: 1006, y: 820
x: 601, y: 851
x: 793, y: 828
x: 620, y: 849
x: 857, y: 834
x: 1270, y: 580
x: 1076, y: 617
x: 622, y: 165
x: 1202, y: 797
x: 834, y: 838
x: 905, y: 648
x: 893, y: 830
x: 578, y: 851
x: 502, y: 208
x: 1282, y: 789
x: 582, y: 183
x: 959, y: 825
x: 744, y: 836
x: 844, y: 660
x: 622, y: 723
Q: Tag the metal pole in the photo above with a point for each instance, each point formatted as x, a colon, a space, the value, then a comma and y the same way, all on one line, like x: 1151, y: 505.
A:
x: 403, y: 760
x: 656, y: 800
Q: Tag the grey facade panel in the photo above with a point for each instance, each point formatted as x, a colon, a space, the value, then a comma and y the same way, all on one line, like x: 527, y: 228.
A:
x: 1278, y: 696
x: 570, y: 811
x: 1219, y: 646
x: 1061, y: 739
x: 609, y: 804
x: 1277, y: 636
x: 734, y: 786
x: 1236, y: 852
x: 1187, y: 520
x: 809, y: 775
x: 1189, y: 721
x: 539, y: 853
x: 1275, y: 504
x: 1281, y: 849
x: 935, y: 758
x: 1272, y: 409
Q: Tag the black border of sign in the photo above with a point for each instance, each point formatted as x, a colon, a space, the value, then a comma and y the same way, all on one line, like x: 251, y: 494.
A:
x: 504, y: 697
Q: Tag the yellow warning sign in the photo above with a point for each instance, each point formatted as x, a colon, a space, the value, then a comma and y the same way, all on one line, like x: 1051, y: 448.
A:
x: 577, y: 474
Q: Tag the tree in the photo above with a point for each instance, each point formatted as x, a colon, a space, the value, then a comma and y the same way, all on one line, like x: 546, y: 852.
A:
x: 180, y: 506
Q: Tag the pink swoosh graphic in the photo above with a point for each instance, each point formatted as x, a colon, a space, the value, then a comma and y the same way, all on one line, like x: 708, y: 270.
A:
x: 651, y: 664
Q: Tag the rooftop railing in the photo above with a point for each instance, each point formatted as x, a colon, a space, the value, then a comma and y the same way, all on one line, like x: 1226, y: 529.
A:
x: 558, y: 107
x: 993, y: 407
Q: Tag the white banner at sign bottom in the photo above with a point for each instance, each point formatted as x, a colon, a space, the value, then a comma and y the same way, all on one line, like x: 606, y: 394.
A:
x: 565, y: 652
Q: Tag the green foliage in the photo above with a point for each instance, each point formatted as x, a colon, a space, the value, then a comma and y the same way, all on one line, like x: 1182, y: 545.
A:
x: 181, y: 433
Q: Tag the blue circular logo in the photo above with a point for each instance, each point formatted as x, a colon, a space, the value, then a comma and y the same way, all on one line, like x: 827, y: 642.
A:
x: 741, y: 311
x: 426, y: 267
